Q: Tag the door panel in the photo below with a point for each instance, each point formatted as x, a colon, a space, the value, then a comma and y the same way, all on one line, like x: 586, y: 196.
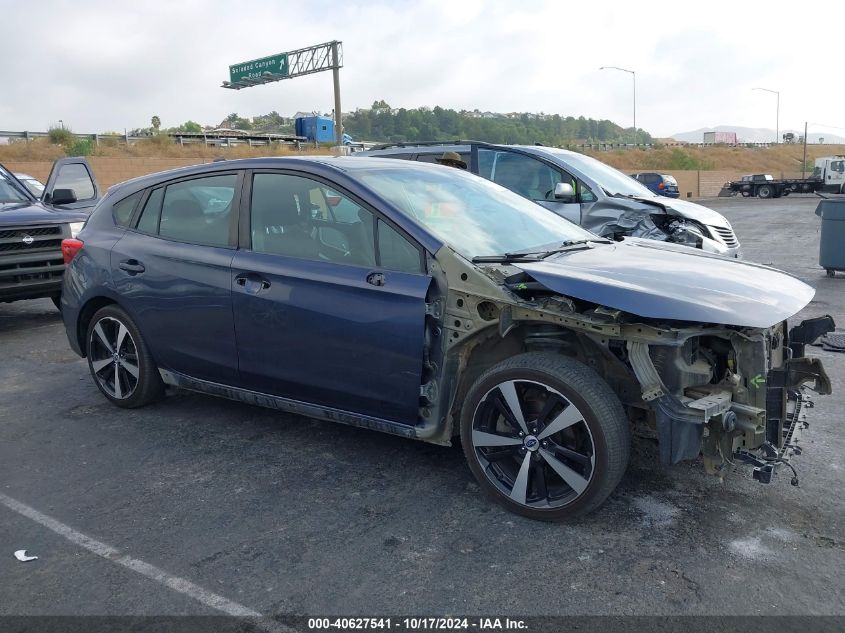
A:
x: 320, y: 315
x: 180, y: 289
x: 182, y: 302
x: 319, y: 332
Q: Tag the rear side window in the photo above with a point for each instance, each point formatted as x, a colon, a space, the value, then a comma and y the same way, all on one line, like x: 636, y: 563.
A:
x: 152, y: 210
x: 197, y: 211
x: 122, y: 211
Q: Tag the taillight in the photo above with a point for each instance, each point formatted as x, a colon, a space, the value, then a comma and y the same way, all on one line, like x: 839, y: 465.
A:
x: 70, y: 248
x: 661, y: 186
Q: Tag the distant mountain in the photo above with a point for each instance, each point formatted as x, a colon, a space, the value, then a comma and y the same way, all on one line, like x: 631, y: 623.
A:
x: 753, y: 134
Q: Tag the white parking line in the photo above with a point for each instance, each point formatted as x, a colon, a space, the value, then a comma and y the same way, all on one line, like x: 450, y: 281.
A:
x: 112, y: 554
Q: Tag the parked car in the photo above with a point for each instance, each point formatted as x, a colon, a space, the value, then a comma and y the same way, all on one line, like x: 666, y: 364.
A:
x: 32, y: 228
x: 583, y: 190
x: 661, y: 184
x: 32, y: 184
x: 428, y: 303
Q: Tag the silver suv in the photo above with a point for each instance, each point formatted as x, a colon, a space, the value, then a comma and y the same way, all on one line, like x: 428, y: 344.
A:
x: 583, y: 190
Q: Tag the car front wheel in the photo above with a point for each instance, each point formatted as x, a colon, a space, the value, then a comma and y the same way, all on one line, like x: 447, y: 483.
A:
x: 119, y: 361
x: 545, y: 436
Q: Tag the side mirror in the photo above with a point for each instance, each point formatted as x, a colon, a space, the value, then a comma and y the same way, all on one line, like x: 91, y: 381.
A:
x: 564, y: 192
x: 63, y: 196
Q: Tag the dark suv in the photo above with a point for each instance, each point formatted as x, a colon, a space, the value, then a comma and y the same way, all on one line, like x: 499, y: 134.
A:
x: 32, y: 229
x: 661, y: 184
x: 428, y: 303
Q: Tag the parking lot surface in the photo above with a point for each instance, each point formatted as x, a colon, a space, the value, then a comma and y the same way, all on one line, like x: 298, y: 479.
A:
x: 283, y: 514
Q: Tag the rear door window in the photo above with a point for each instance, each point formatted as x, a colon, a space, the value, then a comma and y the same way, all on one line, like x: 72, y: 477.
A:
x: 197, y: 211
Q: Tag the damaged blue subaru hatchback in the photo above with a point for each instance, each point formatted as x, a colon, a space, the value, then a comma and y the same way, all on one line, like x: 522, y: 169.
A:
x: 429, y: 303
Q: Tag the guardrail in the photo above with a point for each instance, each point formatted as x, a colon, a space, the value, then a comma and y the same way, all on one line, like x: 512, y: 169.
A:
x: 218, y: 140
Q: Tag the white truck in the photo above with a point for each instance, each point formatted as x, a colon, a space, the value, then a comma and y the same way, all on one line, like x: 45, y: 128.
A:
x: 828, y: 175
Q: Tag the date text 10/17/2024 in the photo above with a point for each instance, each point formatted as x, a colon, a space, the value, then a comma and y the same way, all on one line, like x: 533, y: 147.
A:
x: 417, y: 624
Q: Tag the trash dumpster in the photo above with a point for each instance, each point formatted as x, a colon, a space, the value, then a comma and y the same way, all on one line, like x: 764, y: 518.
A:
x: 832, y: 240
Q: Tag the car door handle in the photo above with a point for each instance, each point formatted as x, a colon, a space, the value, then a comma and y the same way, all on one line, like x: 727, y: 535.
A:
x: 376, y: 279
x: 132, y: 266
x: 252, y: 283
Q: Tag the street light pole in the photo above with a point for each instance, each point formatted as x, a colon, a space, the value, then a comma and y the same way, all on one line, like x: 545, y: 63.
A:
x: 777, y: 113
x: 634, y: 75
x: 804, y: 162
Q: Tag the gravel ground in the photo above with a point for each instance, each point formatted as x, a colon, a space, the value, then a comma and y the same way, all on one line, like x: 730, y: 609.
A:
x: 283, y: 514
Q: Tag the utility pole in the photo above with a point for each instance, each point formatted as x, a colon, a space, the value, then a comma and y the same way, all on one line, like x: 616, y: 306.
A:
x: 634, y: 75
x: 804, y: 162
x: 777, y: 112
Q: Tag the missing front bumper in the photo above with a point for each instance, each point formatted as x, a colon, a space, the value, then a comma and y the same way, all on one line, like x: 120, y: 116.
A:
x: 768, y: 458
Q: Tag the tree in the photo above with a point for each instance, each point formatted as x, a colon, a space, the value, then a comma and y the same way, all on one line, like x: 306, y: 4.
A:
x: 156, y: 122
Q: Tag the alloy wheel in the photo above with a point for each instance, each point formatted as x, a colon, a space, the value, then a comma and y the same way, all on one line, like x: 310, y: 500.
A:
x: 113, y: 356
x: 533, y: 444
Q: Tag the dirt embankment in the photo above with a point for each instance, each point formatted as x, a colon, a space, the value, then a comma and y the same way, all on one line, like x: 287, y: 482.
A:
x: 776, y: 160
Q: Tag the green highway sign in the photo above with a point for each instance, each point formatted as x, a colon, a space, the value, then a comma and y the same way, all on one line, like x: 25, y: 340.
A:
x: 255, y: 69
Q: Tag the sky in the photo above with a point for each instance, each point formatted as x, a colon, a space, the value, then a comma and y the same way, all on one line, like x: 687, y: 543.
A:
x: 109, y: 65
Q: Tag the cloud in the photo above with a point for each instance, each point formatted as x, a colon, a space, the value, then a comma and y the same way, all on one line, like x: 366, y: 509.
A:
x: 101, y: 65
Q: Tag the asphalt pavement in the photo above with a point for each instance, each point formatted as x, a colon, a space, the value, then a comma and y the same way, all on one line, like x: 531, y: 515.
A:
x: 280, y: 514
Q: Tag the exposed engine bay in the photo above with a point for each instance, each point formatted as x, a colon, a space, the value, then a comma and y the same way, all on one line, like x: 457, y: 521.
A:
x: 731, y: 393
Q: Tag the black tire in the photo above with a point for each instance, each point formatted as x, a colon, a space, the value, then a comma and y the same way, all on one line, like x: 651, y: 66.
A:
x: 57, y: 301
x: 601, y: 422
x: 121, y: 387
x: 830, y: 272
x: 765, y: 191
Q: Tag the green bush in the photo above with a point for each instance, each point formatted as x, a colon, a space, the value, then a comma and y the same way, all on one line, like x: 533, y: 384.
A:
x: 61, y: 136
x: 81, y: 147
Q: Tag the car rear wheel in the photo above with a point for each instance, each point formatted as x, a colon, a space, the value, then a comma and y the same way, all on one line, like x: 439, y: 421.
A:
x: 545, y: 436
x: 765, y: 191
x: 119, y: 360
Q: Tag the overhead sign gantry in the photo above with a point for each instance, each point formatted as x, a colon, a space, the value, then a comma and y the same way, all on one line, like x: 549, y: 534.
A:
x: 304, y: 61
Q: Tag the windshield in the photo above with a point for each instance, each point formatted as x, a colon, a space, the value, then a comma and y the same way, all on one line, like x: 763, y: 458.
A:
x: 474, y: 216
x: 9, y: 188
x: 613, y: 181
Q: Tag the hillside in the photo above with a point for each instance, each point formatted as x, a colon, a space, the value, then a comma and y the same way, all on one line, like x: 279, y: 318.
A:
x: 776, y: 159
x: 754, y: 134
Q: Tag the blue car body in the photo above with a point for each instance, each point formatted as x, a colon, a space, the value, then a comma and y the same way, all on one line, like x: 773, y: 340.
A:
x: 396, y: 347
